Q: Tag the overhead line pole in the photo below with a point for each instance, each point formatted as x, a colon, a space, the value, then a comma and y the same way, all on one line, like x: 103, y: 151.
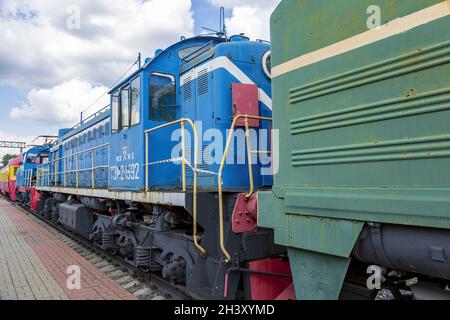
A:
x: 13, y: 145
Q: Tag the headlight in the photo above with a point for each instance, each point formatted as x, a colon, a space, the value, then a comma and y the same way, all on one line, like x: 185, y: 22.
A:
x: 267, y: 64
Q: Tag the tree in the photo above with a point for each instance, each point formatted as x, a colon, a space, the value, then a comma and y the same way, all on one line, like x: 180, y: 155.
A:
x: 6, y: 158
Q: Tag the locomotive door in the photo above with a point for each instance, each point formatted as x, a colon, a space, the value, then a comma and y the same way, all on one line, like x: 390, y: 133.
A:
x: 204, y: 110
x: 204, y: 98
x: 127, y: 139
x: 163, y: 109
x: 197, y: 96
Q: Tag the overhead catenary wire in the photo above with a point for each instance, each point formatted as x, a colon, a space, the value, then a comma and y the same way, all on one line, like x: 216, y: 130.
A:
x: 111, y: 86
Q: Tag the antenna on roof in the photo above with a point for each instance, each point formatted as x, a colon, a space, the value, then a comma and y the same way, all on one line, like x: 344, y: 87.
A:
x: 222, y: 32
x: 223, y: 27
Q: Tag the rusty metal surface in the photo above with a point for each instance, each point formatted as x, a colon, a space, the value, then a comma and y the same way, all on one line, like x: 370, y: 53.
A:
x: 244, y: 214
x: 245, y: 101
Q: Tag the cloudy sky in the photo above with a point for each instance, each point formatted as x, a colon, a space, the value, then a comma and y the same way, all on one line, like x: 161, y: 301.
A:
x: 53, y: 65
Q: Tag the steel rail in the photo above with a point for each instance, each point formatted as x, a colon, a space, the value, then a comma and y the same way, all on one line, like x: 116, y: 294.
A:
x: 177, y: 292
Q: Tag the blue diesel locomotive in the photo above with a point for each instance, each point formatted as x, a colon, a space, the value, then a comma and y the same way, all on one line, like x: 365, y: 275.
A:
x: 26, y: 174
x: 166, y: 175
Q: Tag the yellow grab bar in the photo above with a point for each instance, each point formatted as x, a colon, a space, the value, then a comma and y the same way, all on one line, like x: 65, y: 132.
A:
x: 92, y: 170
x: 249, y: 156
x: 183, y: 155
x: 57, y: 170
x: 222, y: 165
x: 183, y: 151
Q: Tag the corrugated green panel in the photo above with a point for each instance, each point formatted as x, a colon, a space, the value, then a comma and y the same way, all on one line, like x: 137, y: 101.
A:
x: 366, y: 134
x: 302, y: 26
x: 320, y: 234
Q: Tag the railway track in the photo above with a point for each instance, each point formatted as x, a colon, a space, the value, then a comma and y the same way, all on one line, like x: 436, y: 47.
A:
x: 143, y: 285
x: 150, y: 286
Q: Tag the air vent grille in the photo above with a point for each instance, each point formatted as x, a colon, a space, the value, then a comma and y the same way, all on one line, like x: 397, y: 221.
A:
x: 203, y: 82
x: 187, y: 88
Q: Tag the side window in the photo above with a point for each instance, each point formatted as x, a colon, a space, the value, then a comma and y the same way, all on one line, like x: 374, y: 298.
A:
x: 115, y: 112
x: 135, y: 101
x: 125, y: 106
x: 107, y: 129
x: 162, y: 97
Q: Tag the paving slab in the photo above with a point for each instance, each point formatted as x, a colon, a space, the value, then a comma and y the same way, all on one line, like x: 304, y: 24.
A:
x: 35, y: 265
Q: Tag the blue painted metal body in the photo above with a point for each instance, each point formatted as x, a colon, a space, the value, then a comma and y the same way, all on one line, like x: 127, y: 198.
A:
x: 202, y: 70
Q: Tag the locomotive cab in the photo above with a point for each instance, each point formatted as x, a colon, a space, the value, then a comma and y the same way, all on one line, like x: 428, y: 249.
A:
x: 27, y: 173
x: 192, y: 80
x: 146, y: 99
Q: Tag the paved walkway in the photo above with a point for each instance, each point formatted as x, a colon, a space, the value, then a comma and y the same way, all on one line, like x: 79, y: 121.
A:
x: 34, y: 265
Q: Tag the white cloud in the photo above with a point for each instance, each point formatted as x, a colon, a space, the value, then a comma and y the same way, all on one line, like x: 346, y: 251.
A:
x: 229, y: 4
x: 39, y: 50
x: 61, y: 104
x: 251, y: 17
x: 70, y: 68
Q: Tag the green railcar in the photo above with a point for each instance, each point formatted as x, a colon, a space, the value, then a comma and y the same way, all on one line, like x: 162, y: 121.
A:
x: 361, y: 95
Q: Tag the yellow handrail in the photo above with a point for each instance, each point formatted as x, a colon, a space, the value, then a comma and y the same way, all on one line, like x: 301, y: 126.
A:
x: 27, y: 178
x: 76, y: 172
x: 249, y: 156
x: 92, y: 170
x: 222, y: 164
x: 29, y: 175
x: 41, y: 172
x: 56, y: 173
x: 183, y: 152
x: 65, y: 170
x: 183, y: 155
x: 75, y: 155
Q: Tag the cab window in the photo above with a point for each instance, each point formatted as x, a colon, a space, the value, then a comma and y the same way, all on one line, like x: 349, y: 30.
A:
x: 135, y: 101
x: 115, y: 112
x: 125, y: 106
x: 31, y: 158
x: 162, y: 97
